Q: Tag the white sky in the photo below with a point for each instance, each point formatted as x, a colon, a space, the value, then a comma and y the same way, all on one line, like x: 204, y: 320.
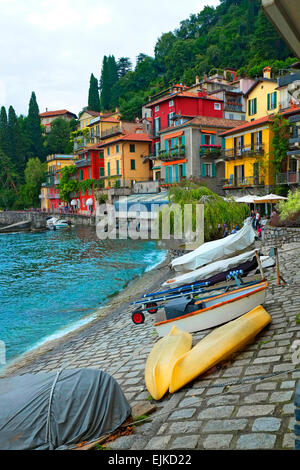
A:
x: 52, y: 46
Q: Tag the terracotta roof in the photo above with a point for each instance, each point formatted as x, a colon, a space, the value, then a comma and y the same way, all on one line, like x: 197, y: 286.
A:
x: 129, y: 137
x: 60, y: 112
x: 180, y: 94
x: 258, y: 122
x: 207, y: 122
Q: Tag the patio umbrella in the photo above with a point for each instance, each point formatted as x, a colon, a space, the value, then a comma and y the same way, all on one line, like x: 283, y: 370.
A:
x: 269, y: 198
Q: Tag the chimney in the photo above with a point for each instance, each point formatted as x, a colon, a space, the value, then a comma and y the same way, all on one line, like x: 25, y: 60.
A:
x: 197, y: 79
x: 267, y: 72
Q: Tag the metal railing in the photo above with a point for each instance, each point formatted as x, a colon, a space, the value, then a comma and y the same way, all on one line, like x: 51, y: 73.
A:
x: 81, y: 163
x: 288, y: 178
x: 172, y: 154
x: 247, y: 181
x: 112, y: 131
x: 236, y: 108
x: 210, y: 150
x: 247, y: 151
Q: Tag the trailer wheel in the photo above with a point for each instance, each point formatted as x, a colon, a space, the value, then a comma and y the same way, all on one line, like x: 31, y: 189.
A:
x: 152, y: 308
x: 138, y: 317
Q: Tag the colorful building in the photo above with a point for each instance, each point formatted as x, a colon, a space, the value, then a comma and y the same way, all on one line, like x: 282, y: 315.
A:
x: 50, y: 198
x: 48, y: 117
x: 248, y: 163
x: 262, y: 97
x: 125, y: 160
x: 291, y: 175
x: 193, y: 150
x: 90, y: 166
x: 180, y: 104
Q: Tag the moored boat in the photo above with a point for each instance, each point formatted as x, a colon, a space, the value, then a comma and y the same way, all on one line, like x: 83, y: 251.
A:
x: 212, y: 311
x: 54, y: 223
x: 218, y: 346
x: 161, y: 359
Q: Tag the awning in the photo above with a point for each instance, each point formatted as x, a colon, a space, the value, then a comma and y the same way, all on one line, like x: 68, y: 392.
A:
x: 206, y: 131
x: 175, y: 162
x: 156, y: 168
x: 73, y: 202
x: 269, y: 198
x: 90, y: 202
x: 175, y: 134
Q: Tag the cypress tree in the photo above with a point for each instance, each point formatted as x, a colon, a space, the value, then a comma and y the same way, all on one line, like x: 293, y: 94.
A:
x: 34, y: 129
x: 4, y: 139
x: 16, y: 144
x: 94, y: 100
x: 109, y: 76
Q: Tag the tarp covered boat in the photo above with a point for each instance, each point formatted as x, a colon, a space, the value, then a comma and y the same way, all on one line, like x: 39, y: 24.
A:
x: 216, y: 250
x: 217, y: 346
x: 57, y: 410
x: 218, y: 271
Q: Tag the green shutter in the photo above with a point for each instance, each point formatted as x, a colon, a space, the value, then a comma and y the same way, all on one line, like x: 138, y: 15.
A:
x: 213, y: 139
x: 203, y: 172
x: 202, y: 139
x: 269, y: 100
x: 255, y: 105
x: 275, y: 99
x: 183, y: 170
x: 183, y: 139
x: 166, y: 145
x: 213, y: 170
x: 249, y: 107
x: 177, y: 173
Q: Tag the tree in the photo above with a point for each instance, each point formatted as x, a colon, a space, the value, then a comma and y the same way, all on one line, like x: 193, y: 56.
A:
x: 34, y: 129
x: 4, y: 139
x: 34, y: 177
x: 58, y: 140
x: 124, y: 65
x: 109, y: 76
x: 8, y: 176
x: 17, y: 147
x: 94, y: 100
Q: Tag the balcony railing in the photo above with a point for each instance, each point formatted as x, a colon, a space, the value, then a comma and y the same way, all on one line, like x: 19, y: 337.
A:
x: 288, y: 178
x: 111, y: 131
x: 80, y: 143
x: 81, y: 163
x: 234, y: 107
x: 249, y: 151
x: 210, y: 150
x: 246, y: 182
x: 172, y: 154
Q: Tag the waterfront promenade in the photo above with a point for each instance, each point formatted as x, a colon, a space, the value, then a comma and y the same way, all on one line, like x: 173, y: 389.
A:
x: 208, y: 413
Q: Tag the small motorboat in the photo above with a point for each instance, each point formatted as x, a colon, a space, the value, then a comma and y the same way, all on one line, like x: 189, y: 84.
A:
x: 208, y: 312
x: 218, y: 346
x: 161, y: 359
x: 54, y: 223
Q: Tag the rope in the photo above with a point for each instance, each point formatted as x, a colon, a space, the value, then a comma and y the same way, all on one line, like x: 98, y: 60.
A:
x: 48, y: 428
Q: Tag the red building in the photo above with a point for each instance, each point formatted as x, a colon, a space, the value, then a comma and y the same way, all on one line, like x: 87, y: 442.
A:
x: 181, y: 103
x: 90, y: 166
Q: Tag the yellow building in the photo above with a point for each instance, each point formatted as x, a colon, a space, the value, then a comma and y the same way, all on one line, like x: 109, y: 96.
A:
x: 263, y: 97
x: 248, y: 163
x: 87, y: 116
x: 124, y: 160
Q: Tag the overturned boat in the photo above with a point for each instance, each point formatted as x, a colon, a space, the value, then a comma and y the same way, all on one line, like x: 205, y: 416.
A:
x: 218, y: 249
x: 196, y: 315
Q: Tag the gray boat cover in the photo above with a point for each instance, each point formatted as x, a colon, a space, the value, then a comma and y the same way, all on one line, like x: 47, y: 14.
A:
x: 57, y: 410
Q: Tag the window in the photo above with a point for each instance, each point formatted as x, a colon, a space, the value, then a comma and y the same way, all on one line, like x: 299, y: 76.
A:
x: 101, y: 171
x: 156, y: 125
x: 108, y: 169
x: 217, y: 106
x: 81, y: 175
x: 171, y: 103
x: 132, y: 148
x: 170, y: 119
x: 117, y: 148
x: 108, y: 151
x: 132, y: 164
x: 156, y: 109
x: 83, y: 202
x: 207, y: 139
x: 272, y: 100
x: 89, y: 173
x: 118, y: 167
x: 208, y: 170
x: 156, y: 148
x: 252, y: 107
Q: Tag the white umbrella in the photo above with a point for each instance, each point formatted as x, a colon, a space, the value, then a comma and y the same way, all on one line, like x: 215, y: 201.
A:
x: 73, y: 202
x: 89, y: 202
x: 272, y: 198
x: 246, y: 199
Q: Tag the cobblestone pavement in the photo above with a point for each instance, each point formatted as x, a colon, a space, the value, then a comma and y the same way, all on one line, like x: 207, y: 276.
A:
x: 207, y: 413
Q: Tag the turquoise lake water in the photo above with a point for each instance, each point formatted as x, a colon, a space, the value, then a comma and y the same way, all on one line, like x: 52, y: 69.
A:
x: 53, y: 281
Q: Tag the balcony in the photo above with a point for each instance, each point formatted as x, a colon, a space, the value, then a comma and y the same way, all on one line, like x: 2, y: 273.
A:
x: 288, y: 178
x: 81, y: 163
x: 172, y: 154
x: 240, y: 152
x: 80, y: 143
x: 210, y: 150
x: 246, y: 182
x: 111, y: 132
x: 233, y: 107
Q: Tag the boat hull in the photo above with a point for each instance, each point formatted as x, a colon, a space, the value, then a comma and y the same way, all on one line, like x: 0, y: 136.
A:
x: 161, y: 360
x: 218, y: 346
x: 226, y: 307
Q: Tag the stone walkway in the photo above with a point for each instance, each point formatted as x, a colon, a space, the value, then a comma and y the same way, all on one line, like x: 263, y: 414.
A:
x: 207, y: 413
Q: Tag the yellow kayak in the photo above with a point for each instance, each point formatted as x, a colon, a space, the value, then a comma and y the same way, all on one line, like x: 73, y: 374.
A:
x: 161, y: 359
x: 217, y: 346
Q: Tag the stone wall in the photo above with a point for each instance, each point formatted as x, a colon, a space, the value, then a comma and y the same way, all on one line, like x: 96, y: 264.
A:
x: 281, y: 234
x: 38, y: 219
